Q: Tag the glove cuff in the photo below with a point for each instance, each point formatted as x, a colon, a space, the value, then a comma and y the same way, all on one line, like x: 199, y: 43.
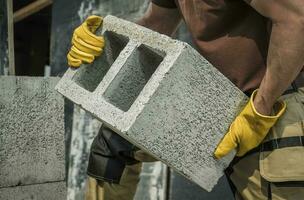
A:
x: 281, y: 109
x: 93, y: 22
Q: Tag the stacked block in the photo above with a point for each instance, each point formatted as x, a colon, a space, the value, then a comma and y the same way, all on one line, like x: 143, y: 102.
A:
x: 161, y: 95
x: 32, y: 161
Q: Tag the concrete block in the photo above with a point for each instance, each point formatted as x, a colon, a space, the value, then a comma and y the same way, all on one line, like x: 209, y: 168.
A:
x: 159, y: 94
x: 46, y: 191
x: 31, y: 131
x: 182, y: 189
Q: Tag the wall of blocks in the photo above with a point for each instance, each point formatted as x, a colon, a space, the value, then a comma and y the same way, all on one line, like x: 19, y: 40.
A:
x: 32, y: 153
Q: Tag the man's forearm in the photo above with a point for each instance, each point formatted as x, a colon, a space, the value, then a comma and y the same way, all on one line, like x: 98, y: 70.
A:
x: 286, y: 51
x: 285, y: 61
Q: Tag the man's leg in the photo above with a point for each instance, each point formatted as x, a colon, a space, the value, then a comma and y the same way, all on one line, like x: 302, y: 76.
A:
x: 129, y: 180
x: 250, y: 185
x: 125, y: 190
x: 93, y: 191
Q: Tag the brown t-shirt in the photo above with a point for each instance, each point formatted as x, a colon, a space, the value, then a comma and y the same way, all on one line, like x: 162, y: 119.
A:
x: 228, y: 33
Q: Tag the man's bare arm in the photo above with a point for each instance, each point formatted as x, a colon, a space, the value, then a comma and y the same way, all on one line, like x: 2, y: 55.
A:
x: 286, y: 49
x: 162, y: 20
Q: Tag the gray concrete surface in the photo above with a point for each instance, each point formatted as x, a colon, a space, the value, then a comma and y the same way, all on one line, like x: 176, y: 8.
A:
x: 31, y: 131
x: 161, y: 95
x: 46, y: 191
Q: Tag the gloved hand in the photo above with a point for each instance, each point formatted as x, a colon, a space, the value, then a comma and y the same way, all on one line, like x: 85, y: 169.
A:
x: 85, y: 44
x: 248, y: 129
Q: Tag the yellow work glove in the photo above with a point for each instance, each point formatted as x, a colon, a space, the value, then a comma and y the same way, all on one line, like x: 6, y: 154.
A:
x: 85, y: 44
x: 248, y: 129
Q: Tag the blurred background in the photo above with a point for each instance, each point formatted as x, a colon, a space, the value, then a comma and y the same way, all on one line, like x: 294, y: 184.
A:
x: 35, y: 37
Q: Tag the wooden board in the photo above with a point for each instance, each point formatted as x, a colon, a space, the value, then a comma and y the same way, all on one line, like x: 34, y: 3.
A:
x: 31, y: 9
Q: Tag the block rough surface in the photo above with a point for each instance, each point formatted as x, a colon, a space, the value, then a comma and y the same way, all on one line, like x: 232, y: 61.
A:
x: 46, y: 191
x: 31, y: 131
x: 161, y: 95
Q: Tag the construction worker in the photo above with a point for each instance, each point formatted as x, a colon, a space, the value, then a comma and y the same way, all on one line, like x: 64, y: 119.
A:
x: 259, y: 46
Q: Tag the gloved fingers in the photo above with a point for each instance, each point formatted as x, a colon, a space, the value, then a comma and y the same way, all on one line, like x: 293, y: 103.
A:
x: 86, y: 35
x: 73, y: 62
x: 85, y: 47
x: 227, y: 144
x: 249, y: 142
x: 93, y: 22
x: 85, y: 57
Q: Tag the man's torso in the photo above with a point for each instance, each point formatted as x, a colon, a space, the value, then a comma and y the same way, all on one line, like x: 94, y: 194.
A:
x: 230, y: 34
